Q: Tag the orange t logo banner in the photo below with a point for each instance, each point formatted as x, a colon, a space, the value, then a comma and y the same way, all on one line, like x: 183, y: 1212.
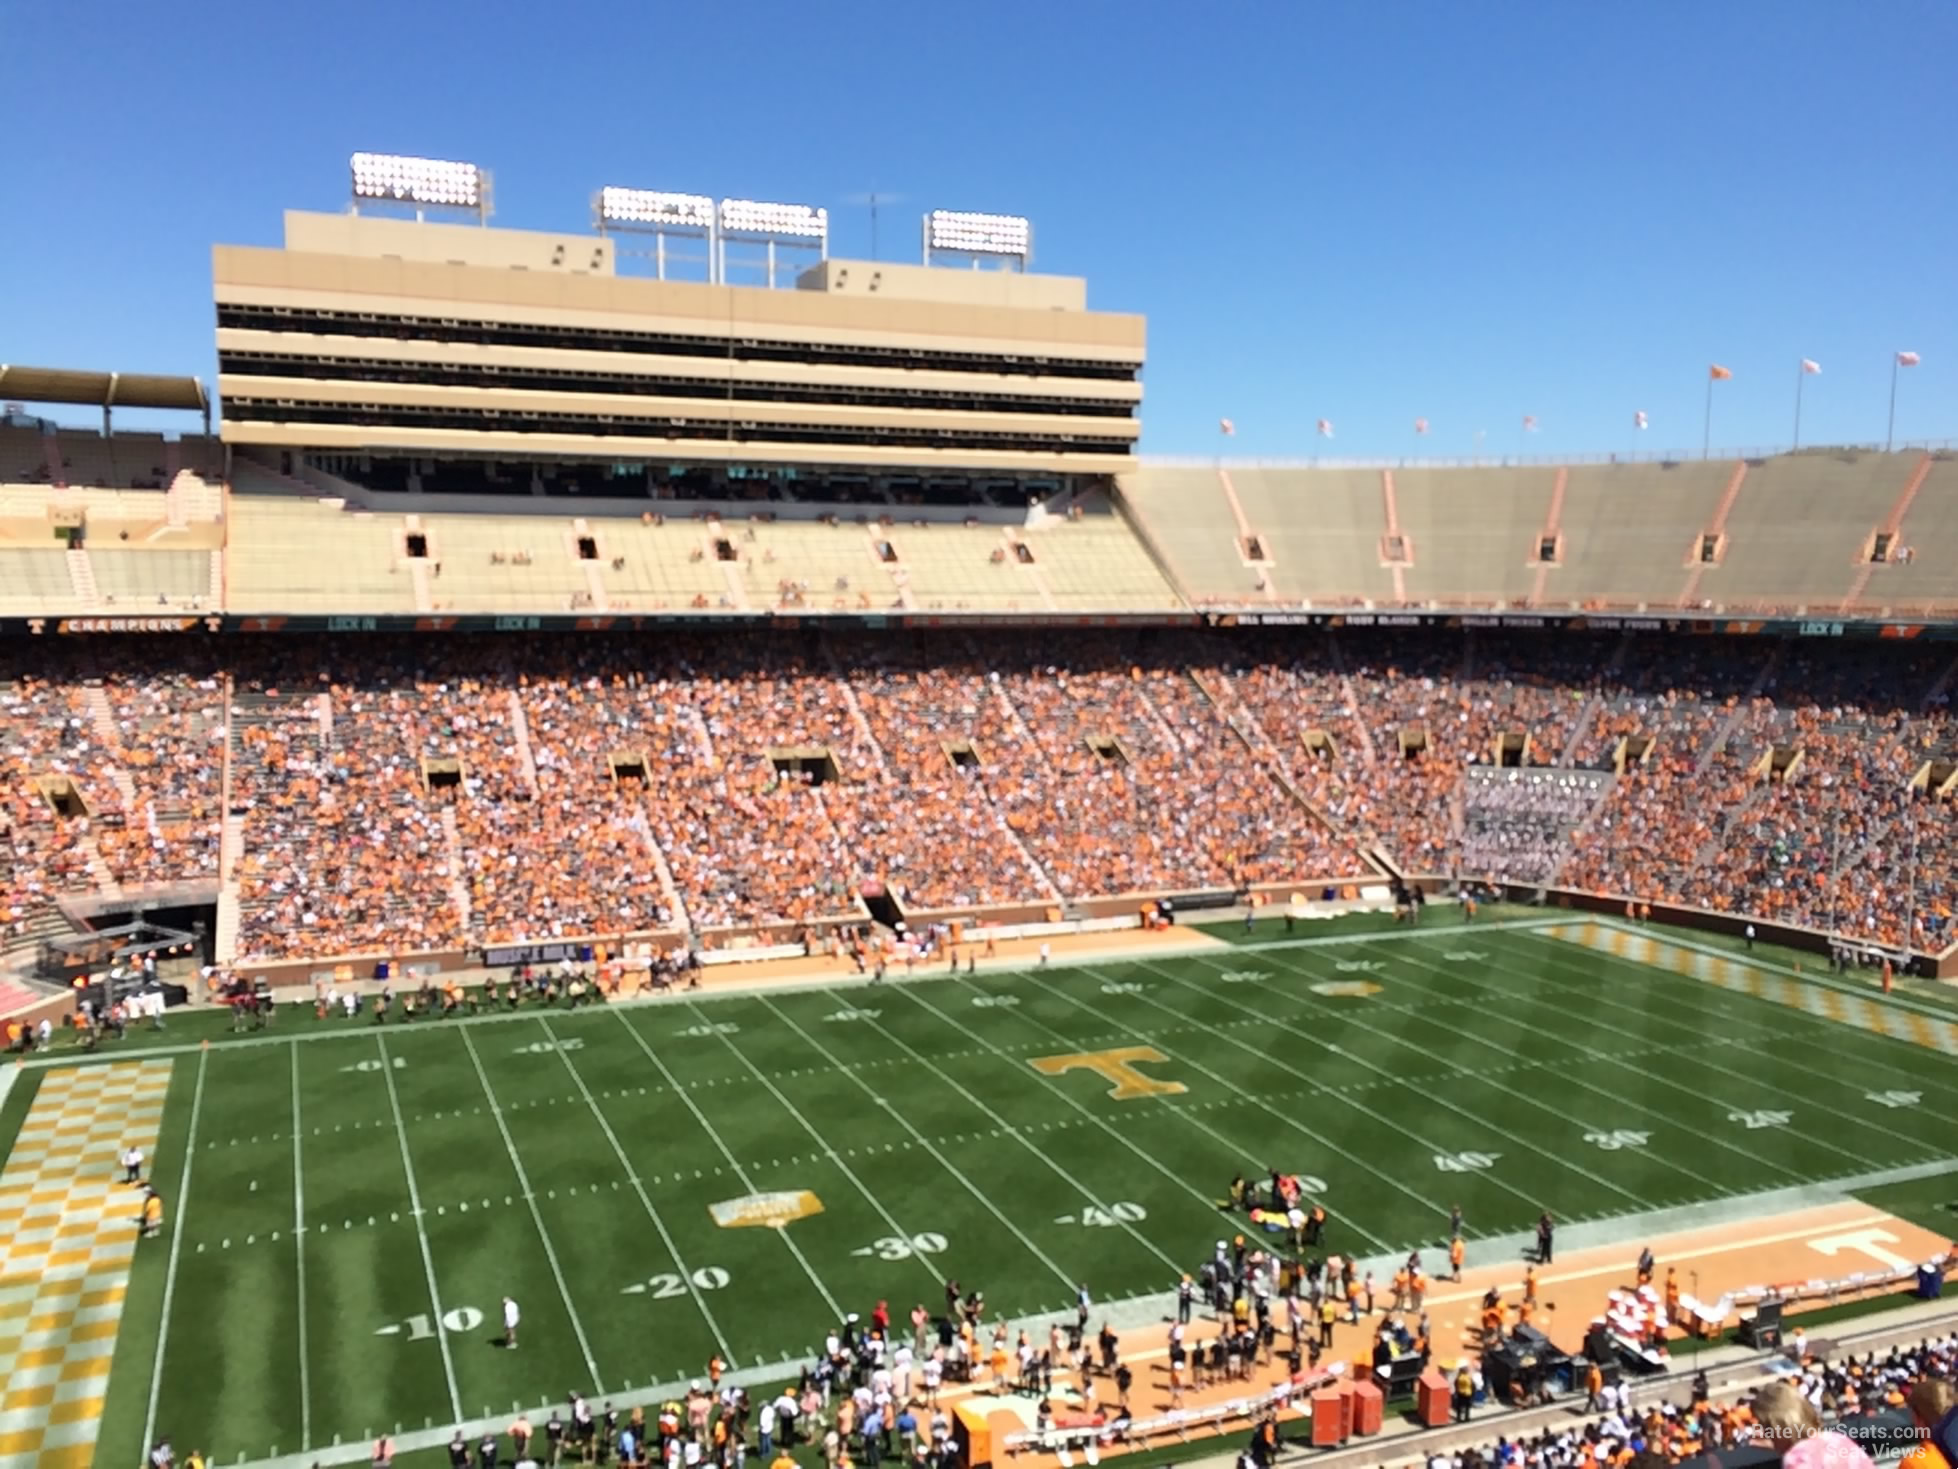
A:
x: 1118, y: 1066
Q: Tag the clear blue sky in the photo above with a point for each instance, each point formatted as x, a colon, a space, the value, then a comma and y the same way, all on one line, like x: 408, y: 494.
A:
x: 1366, y: 212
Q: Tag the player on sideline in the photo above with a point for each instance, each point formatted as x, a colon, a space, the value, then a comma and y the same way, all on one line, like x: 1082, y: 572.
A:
x: 150, y: 1220
x: 510, y: 1318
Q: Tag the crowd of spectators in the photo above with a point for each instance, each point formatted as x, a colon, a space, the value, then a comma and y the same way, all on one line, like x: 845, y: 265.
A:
x: 1824, y: 1414
x: 390, y: 795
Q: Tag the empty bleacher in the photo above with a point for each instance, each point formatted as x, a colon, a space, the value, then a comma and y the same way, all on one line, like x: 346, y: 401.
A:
x: 1630, y: 530
x: 291, y: 554
x: 1187, y: 517
x: 1096, y: 564
x: 152, y: 577
x: 1926, y: 579
x: 1323, y: 530
x: 33, y: 582
x: 647, y: 565
x: 514, y: 562
x: 1472, y: 533
x: 1801, y: 521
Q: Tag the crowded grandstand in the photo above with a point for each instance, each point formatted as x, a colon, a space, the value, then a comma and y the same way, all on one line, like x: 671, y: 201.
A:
x: 525, y: 614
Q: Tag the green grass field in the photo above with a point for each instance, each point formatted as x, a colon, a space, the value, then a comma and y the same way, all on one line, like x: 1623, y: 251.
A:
x: 350, y: 1203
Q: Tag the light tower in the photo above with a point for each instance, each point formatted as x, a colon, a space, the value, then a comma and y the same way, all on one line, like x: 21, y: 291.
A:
x: 420, y: 184
x: 664, y: 217
x: 979, y: 237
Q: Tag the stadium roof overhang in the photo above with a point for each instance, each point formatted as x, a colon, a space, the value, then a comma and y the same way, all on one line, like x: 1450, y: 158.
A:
x: 104, y: 390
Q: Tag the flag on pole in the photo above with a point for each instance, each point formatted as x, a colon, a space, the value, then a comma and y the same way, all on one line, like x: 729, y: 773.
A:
x: 1907, y: 359
x: 1529, y: 423
x: 1811, y: 366
x: 1325, y: 428
x: 1638, y: 420
x: 1226, y: 427
x: 1420, y: 426
x: 1718, y: 374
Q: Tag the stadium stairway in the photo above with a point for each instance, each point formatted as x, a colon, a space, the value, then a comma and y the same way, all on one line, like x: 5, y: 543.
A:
x: 1725, y: 823
x: 1013, y: 718
x: 421, y: 579
x: 669, y: 889
x: 102, y: 715
x: 1581, y: 730
x: 452, y: 856
x: 99, y: 871
x: 852, y: 703
x: 81, y: 578
x: 520, y: 739
x: 1716, y: 528
x: 1368, y: 754
x: 1049, y: 889
x: 1893, y: 523
x: 1257, y: 743
x: 1732, y: 723
x: 224, y: 939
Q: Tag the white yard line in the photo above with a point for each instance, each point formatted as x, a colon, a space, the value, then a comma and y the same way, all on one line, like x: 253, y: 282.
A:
x: 1207, y: 1201
x: 421, y: 1234
x: 1514, y: 1139
x: 536, y: 1218
x: 1318, y: 1138
x: 835, y: 1157
x: 176, y: 1248
x: 299, y: 1260
x: 835, y: 1306
x: 1550, y: 1067
x: 645, y: 1202
x: 1594, y: 997
x: 1017, y: 1135
x: 1733, y: 1007
x: 951, y: 1168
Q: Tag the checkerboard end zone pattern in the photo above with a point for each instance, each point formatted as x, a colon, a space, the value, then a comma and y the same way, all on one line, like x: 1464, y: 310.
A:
x: 1827, y: 1001
x: 68, y: 1228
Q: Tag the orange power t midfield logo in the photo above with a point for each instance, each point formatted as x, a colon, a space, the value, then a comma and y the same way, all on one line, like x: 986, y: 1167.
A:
x: 1118, y: 1066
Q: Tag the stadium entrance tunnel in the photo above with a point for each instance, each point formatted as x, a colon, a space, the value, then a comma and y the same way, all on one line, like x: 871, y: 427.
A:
x: 64, y: 796
x: 628, y: 765
x: 882, y: 904
x: 812, y: 764
x: 178, y: 934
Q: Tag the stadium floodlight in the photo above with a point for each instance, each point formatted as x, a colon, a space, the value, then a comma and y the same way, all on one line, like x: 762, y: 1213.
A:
x: 405, y: 180
x: 966, y: 233
x: 654, y: 208
x: 783, y: 221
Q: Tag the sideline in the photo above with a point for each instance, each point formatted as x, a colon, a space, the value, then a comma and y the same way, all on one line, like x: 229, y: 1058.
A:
x: 1203, y: 945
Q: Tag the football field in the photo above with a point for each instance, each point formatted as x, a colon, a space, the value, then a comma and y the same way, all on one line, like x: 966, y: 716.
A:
x: 656, y: 1183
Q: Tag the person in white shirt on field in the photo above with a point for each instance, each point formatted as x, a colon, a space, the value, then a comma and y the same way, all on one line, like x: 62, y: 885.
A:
x: 510, y: 1318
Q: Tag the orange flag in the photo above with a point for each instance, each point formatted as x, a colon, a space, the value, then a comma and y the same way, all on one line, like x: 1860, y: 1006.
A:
x: 1718, y: 373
